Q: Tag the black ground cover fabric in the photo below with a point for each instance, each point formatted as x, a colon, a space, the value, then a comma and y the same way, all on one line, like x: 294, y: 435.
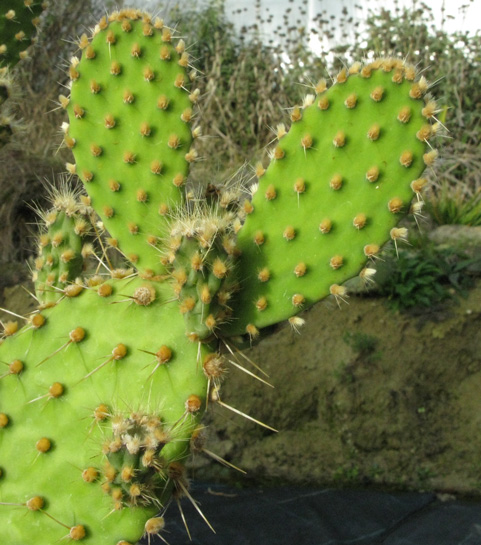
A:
x: 298, y: 516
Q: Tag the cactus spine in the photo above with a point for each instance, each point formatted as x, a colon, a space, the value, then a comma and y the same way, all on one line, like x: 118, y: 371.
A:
x: 104, y: 386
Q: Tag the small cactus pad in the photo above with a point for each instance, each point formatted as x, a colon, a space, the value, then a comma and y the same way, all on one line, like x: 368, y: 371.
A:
x: 96, y: 415
x: 60, y: 245
x: 19, y: 20
x: 202, y: 252
x: 130, y: 133
x: 338, y: 183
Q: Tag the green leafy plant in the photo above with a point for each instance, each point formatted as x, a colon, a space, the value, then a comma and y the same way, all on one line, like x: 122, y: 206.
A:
x: 426, y: 276
x: 105, y: 384
x: 448, y: 205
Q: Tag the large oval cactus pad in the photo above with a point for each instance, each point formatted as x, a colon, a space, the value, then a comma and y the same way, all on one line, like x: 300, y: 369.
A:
x: 129, y: 114
x: 99, y: 396
x: 338, y: 182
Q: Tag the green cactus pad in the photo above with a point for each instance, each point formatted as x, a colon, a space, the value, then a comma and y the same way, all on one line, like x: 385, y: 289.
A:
x: 18, y: 25
x: 202, y: 252
x: 99, y: 396
x: 60, y: 260
x: 130, y: 133
x: 339, y: 181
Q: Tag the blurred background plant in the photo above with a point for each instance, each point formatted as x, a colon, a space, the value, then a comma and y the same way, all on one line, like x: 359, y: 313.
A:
x: 248, y: 78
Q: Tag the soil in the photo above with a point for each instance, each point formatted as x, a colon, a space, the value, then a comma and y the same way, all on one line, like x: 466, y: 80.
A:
x: 363, y: 396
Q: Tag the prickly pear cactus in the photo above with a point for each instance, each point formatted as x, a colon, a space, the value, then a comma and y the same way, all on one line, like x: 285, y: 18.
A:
x: 104, y: 386
x: 130, y: 119
x: 19, y: 20
x: 338, y: 183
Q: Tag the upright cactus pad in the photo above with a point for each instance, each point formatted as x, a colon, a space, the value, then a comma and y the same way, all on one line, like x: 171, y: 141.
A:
x: 19, y: 20
x: 338, y: 183
x: 130, y: 133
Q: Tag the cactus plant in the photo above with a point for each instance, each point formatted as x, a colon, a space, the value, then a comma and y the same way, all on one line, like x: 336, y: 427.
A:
x: 19, y: 20
x: 105, y: 385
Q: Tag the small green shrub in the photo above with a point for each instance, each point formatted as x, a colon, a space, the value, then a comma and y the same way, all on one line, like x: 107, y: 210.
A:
x: 425, y: 276
x: 449, y: 205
